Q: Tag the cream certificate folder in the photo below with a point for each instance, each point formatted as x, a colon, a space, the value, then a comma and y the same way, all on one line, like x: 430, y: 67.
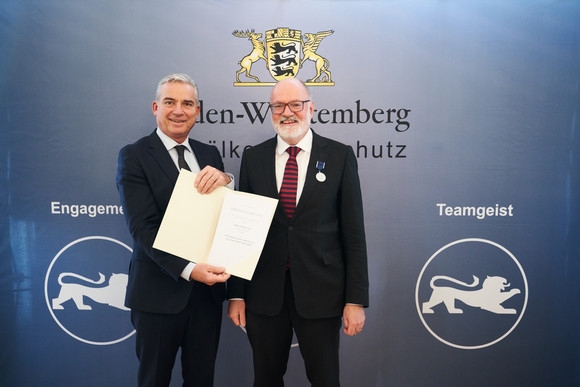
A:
x: 225, y: 228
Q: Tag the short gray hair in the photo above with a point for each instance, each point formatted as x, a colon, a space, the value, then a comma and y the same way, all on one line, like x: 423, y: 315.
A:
x: 176, y: 77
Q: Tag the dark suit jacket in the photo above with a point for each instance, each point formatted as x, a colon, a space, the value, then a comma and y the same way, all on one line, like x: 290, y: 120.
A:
x: 325, y: 240
x: 146, y: 176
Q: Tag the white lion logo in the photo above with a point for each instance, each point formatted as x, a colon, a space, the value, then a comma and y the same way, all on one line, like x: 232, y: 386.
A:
x: 113, y: 294
x: 490, y: 297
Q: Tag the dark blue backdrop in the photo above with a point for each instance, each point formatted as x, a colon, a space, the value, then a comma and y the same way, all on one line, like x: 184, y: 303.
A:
x: 450, y: 107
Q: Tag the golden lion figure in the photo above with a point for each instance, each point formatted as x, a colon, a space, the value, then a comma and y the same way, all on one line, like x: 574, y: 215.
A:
x: 113, y: 294
x: 309, y: 51
x: 256, y: 54
x: 490, y: 297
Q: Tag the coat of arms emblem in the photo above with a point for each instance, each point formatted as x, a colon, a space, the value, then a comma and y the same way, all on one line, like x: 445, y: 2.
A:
x: 285, y: 51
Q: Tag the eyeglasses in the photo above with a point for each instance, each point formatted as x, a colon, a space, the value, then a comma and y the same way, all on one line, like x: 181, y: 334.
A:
x: 295, y: 106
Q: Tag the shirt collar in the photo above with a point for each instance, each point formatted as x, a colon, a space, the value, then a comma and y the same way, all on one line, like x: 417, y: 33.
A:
x: 170, y: 143
x: 305, y: 144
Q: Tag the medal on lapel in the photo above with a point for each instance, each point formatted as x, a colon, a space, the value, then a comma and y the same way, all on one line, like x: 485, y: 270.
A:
x: 321, y: 177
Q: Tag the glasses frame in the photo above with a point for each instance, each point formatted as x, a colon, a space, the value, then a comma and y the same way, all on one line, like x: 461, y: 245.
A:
x: 289, y: 107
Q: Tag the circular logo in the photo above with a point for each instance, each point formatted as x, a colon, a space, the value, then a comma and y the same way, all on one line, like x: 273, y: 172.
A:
x: 471, y: 294
x: 85, y: 288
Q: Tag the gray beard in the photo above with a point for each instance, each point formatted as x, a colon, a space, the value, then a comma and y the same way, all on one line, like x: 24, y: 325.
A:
x: 294, y: 133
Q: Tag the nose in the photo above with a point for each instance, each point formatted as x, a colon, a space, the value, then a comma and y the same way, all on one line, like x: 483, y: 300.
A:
x: 178, y: 109
x: 287, y: 106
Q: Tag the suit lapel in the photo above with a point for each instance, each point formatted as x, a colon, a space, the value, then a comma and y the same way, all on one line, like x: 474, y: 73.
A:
x: 202, y: 157
x: 160, y: 154
x: 311, y: 185
x: 269, y: 177
x: 270, y: 168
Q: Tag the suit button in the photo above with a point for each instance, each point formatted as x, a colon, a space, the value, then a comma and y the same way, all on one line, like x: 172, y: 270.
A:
x: 290, y: 228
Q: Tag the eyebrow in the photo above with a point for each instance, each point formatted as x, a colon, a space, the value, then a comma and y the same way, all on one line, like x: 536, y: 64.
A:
x: 294, y: 100
x: 173, y: 99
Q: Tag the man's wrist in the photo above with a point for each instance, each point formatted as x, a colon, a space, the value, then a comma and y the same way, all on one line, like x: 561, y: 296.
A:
x: 186, y: 273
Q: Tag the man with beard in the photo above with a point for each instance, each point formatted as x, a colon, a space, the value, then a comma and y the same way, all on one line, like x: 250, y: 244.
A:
x: 313, y: 268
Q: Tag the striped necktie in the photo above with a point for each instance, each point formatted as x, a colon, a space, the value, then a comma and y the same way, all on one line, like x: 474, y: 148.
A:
x: 290, y: 182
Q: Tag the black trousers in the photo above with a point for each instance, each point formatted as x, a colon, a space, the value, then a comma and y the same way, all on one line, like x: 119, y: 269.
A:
x: 195, y: 330
x: 271, y: 340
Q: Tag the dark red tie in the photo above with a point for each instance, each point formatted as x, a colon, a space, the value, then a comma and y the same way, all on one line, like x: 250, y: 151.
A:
x: 290, y: 182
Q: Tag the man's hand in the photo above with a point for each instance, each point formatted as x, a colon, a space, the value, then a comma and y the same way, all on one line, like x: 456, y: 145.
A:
x: 209, y: 179
x: 237, y: 312
x: 354, y: 319
x: 208, y: 274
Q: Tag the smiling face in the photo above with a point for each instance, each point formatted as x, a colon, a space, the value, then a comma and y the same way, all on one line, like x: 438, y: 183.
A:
x: 176, y: 109
x: 291, y: 126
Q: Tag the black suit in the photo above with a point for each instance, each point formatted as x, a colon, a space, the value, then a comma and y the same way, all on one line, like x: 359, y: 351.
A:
x: 324, y: 241
x: 146, y: 176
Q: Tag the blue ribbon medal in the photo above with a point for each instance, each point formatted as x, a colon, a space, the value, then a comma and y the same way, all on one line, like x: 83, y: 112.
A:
x: 321, y: 177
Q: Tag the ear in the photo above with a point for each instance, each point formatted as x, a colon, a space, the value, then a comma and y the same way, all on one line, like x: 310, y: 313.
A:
x: 154, y: 107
